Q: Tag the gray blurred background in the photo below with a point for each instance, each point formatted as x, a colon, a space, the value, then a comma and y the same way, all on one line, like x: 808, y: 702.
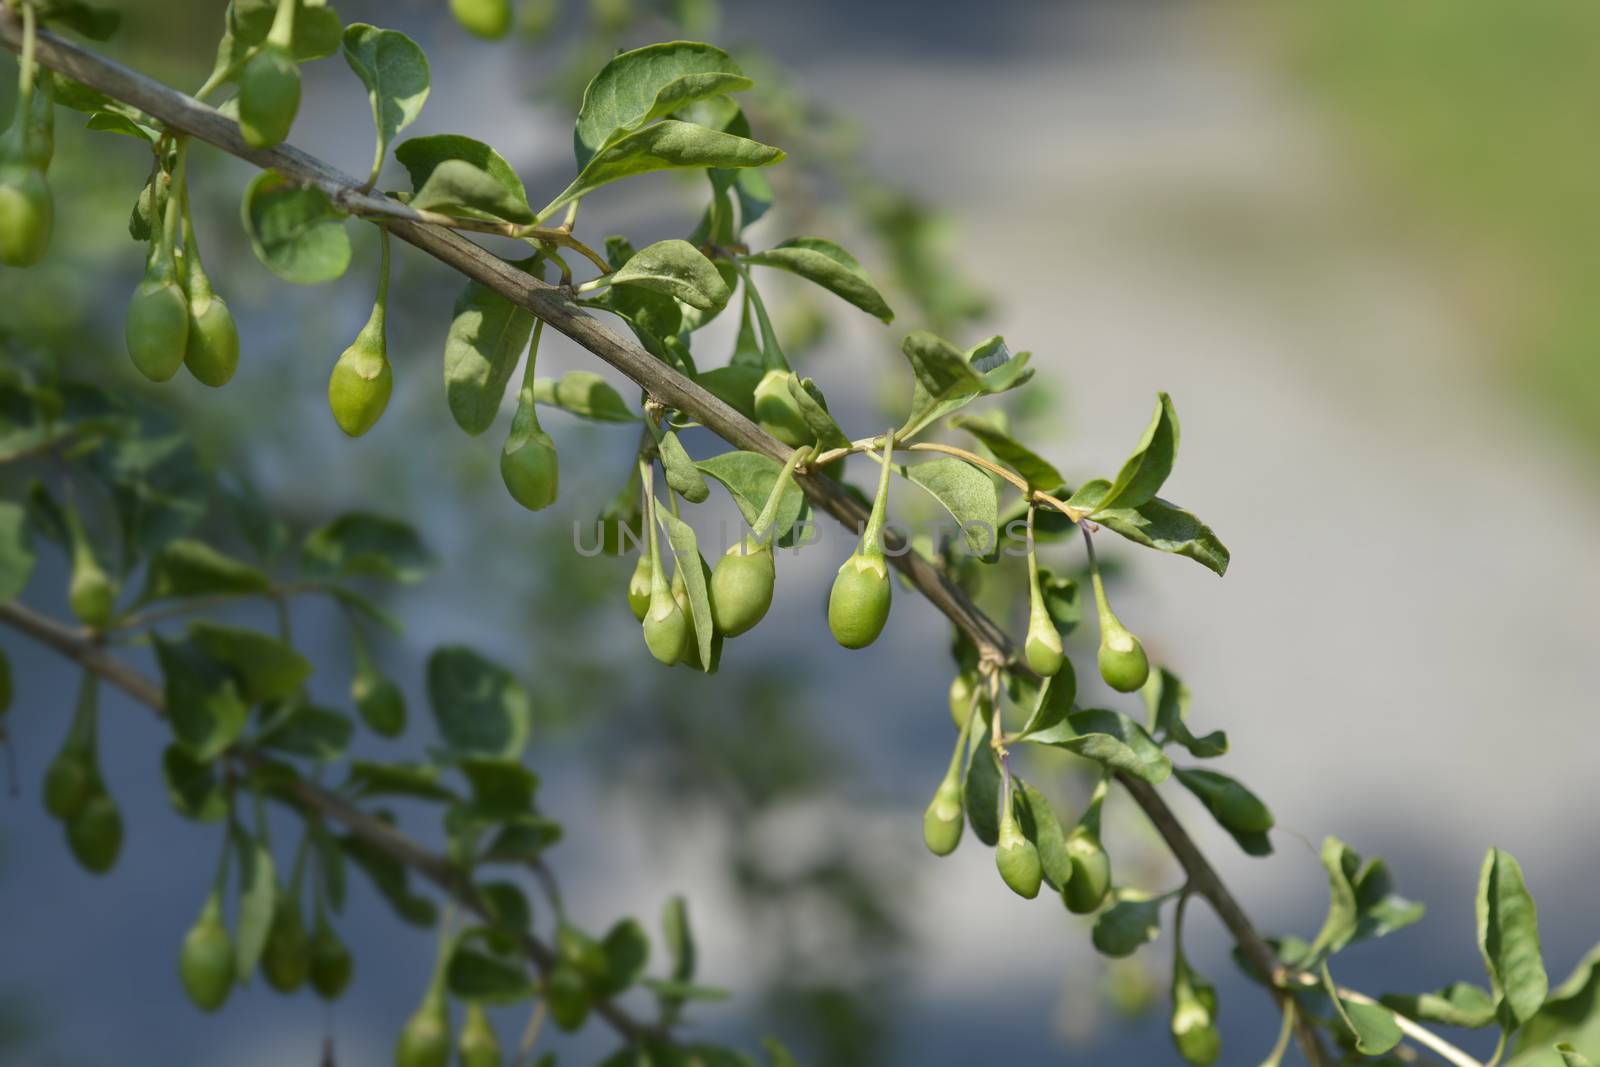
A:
x: 1355, y: 248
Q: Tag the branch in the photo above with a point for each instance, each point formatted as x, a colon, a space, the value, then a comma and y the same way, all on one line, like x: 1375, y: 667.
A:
x: 77, y: 644
x: 663, y: 384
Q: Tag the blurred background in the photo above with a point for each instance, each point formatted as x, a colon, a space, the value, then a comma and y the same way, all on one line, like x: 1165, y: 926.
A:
x: 1357, y: 242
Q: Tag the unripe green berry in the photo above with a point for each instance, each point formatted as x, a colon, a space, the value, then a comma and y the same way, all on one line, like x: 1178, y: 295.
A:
x: 90, y: 593
x: 425, y: 1039
x: 858, y: 605
x: 95, y: 833
x: 1123, y: 664
x: 286, y: 959
x: 359, y: 388
x: 529, y: 467
x: 212, y: 354
x: 1086, y: 890
x: 1194, y: 1014
x: 380, y: 703
x: 666, y: 627
x: 741, y: 587
x: 477, y: 1044
x: 778, y: 412
x: 68, y: 784
x: 1017, y: 859
x: 639, y: 587
x: 962, y: 686
x: 943, y: 821
x: 269, y: 96
x: 27, y: 214
x: 1042, y: 649
x: 331, y: 964
x: 157, y: 327
x: 205, y: 962
x: 490, y: 19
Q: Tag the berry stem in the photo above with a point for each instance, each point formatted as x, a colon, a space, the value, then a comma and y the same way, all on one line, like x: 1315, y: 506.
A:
x: 872, y: 537
x: 769, y: 510
x: 282, y: 32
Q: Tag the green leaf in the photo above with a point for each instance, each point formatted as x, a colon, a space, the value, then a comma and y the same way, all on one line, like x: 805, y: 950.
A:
x: 814, y: 410
x: 202, y: 697
x: 523, y: 839
x: 16, y: 550
x: 585, y: 394
x: 295, y: 231
x: 646, y: 84
x: 264, y: 667
x: 188, y: 568
x: 1061, y: 599
x: 749, y: 478
x: 367, y: 779
x: 1508, y: 937
x: 665, y: 145
x: 193, y: 787
x: 1236, y: 809
x: 682, y: 991
x: 682, y: 474
x: 627, y: 950
x: 480, y: 708
x: 686, y: 554
x: 968, y: 494
x: 1145, y: 471
x: 116, y: 122
x: 360, y: 544
x: 389, y: 877
x: 474, y: 974
x: 1339, y: 927
x: 1134, y: 920
x: 1168, y: 701
x: 981, y: 792
x: 1038, y: 472
x: 95, y: 23
x: 319, y: 734
x: 940, y: 368
x: 1361, y: 903
x: 258, y: 897
x: 316, y: 28
x: 1110, y: 738
x: 735, y: 385
x: 679, y: 939
x: 1382, y: 910
x: 1571, y: 1014
x: 459, y: 176
x: 1373, y: 1025
x: 487, y: 336
x: 508, y: 908
x: 1461, y: 1004
x: 1572, y: 1057
x: 501, y: 790
x: 677, y: 269
x: 395, y: 72
x: 825, y: 263
x: 1040, y: 825
x: 1168, y: 528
